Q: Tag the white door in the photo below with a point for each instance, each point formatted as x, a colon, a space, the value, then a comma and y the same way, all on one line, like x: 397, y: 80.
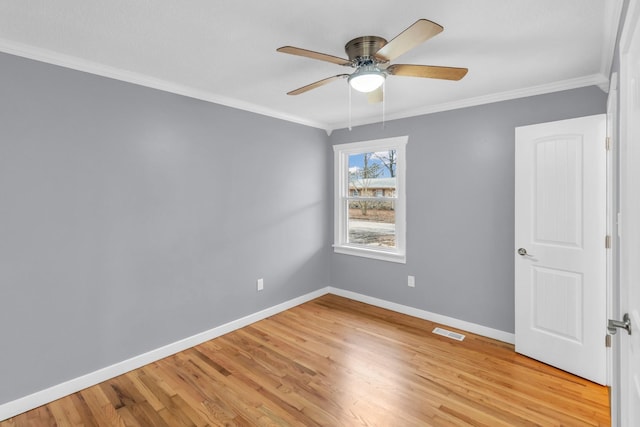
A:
x: 630, y: 219
x: 560, y: 255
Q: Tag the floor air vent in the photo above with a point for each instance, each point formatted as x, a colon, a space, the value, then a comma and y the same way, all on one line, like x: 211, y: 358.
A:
x: 448, y: 334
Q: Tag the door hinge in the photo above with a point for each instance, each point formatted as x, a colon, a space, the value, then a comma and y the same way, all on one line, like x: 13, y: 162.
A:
x: 607, y: 242
x: 607, y: 341
x: 607, y: 143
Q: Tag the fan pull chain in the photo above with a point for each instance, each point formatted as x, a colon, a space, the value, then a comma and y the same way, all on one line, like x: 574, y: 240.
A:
x: 384, y: 101
x: 349, y: 89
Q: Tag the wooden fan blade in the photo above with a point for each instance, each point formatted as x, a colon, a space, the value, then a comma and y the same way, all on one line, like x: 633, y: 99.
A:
x: 313, y: 55
x: 376, y: 96
x: 319, y: 83
x: 428, y: 71
x: 421, y: 31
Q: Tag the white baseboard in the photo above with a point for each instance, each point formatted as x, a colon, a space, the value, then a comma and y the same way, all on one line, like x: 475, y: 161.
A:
x: 427, y: 315
x: 50, y: 394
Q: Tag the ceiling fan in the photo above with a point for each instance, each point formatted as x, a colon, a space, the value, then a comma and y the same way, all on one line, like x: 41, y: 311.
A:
x: 371, y: 57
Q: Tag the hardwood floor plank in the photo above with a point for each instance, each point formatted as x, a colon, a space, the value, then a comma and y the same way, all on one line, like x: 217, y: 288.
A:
x: 521, y: 394
x: 101, y: 408
x: 170, y: 399
x: 144, y: 413
x: 60, y: 415
x: 128, y: 418
x: 81, y: 409
x: 262, y: 384
x: 338, y: 362
x: 144, y: 391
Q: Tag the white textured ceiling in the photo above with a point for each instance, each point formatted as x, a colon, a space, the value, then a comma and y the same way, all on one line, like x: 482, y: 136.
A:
x: 225, y: 50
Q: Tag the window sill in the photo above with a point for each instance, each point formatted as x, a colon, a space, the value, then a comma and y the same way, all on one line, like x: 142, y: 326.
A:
x: 371, y: 253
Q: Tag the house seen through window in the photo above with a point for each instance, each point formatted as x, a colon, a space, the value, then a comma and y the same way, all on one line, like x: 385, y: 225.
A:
x: 369, y: 218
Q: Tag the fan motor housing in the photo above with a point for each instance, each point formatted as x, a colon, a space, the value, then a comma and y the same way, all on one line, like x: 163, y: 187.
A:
x: 364, y: 47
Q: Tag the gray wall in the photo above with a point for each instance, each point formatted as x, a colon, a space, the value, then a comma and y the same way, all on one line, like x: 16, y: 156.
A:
x: 460, y: 207
x: 131, y: 218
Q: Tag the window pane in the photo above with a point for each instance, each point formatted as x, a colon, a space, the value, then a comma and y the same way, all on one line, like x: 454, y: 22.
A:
x: 372, y: 223
x: 373, y: 174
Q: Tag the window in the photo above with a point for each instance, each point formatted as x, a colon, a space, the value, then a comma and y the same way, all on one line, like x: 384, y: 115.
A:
x: 370, y: 199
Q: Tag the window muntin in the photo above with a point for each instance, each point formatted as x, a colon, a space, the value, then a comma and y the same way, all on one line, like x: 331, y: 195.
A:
x: 370, y: 199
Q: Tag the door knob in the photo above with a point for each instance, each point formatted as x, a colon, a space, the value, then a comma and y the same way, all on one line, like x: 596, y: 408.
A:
x: 523, y: 252
x: 612, y: 325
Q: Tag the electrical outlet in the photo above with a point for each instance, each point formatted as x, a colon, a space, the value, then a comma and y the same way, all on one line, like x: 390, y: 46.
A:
x: 260, y: 284
x: 411, y: 281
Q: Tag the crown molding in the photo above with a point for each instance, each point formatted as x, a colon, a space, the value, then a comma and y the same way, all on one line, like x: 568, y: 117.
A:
x: 75, y: 63
x: 593, y: 80
x: 612, y: 23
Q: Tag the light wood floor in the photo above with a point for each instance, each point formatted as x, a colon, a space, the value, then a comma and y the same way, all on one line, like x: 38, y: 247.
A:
x: 335, y: 362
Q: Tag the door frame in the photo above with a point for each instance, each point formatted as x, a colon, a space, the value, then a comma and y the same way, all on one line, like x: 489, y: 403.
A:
x: 612, y: 231
x: 630, y: 27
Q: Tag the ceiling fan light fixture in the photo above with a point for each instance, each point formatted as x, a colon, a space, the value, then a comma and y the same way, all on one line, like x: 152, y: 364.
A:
x: 367, y: 79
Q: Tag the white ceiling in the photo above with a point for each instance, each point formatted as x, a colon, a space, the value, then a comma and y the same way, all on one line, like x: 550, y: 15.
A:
x: 224, y: 51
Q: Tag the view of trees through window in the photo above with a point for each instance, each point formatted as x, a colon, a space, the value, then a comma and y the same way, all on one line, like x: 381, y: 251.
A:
x: 371, y: 199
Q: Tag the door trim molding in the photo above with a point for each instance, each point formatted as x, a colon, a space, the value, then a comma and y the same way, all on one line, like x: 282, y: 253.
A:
x: 612, y: 134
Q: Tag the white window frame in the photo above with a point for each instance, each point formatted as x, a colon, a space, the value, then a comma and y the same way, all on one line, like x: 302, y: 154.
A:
x: 341, y: 244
